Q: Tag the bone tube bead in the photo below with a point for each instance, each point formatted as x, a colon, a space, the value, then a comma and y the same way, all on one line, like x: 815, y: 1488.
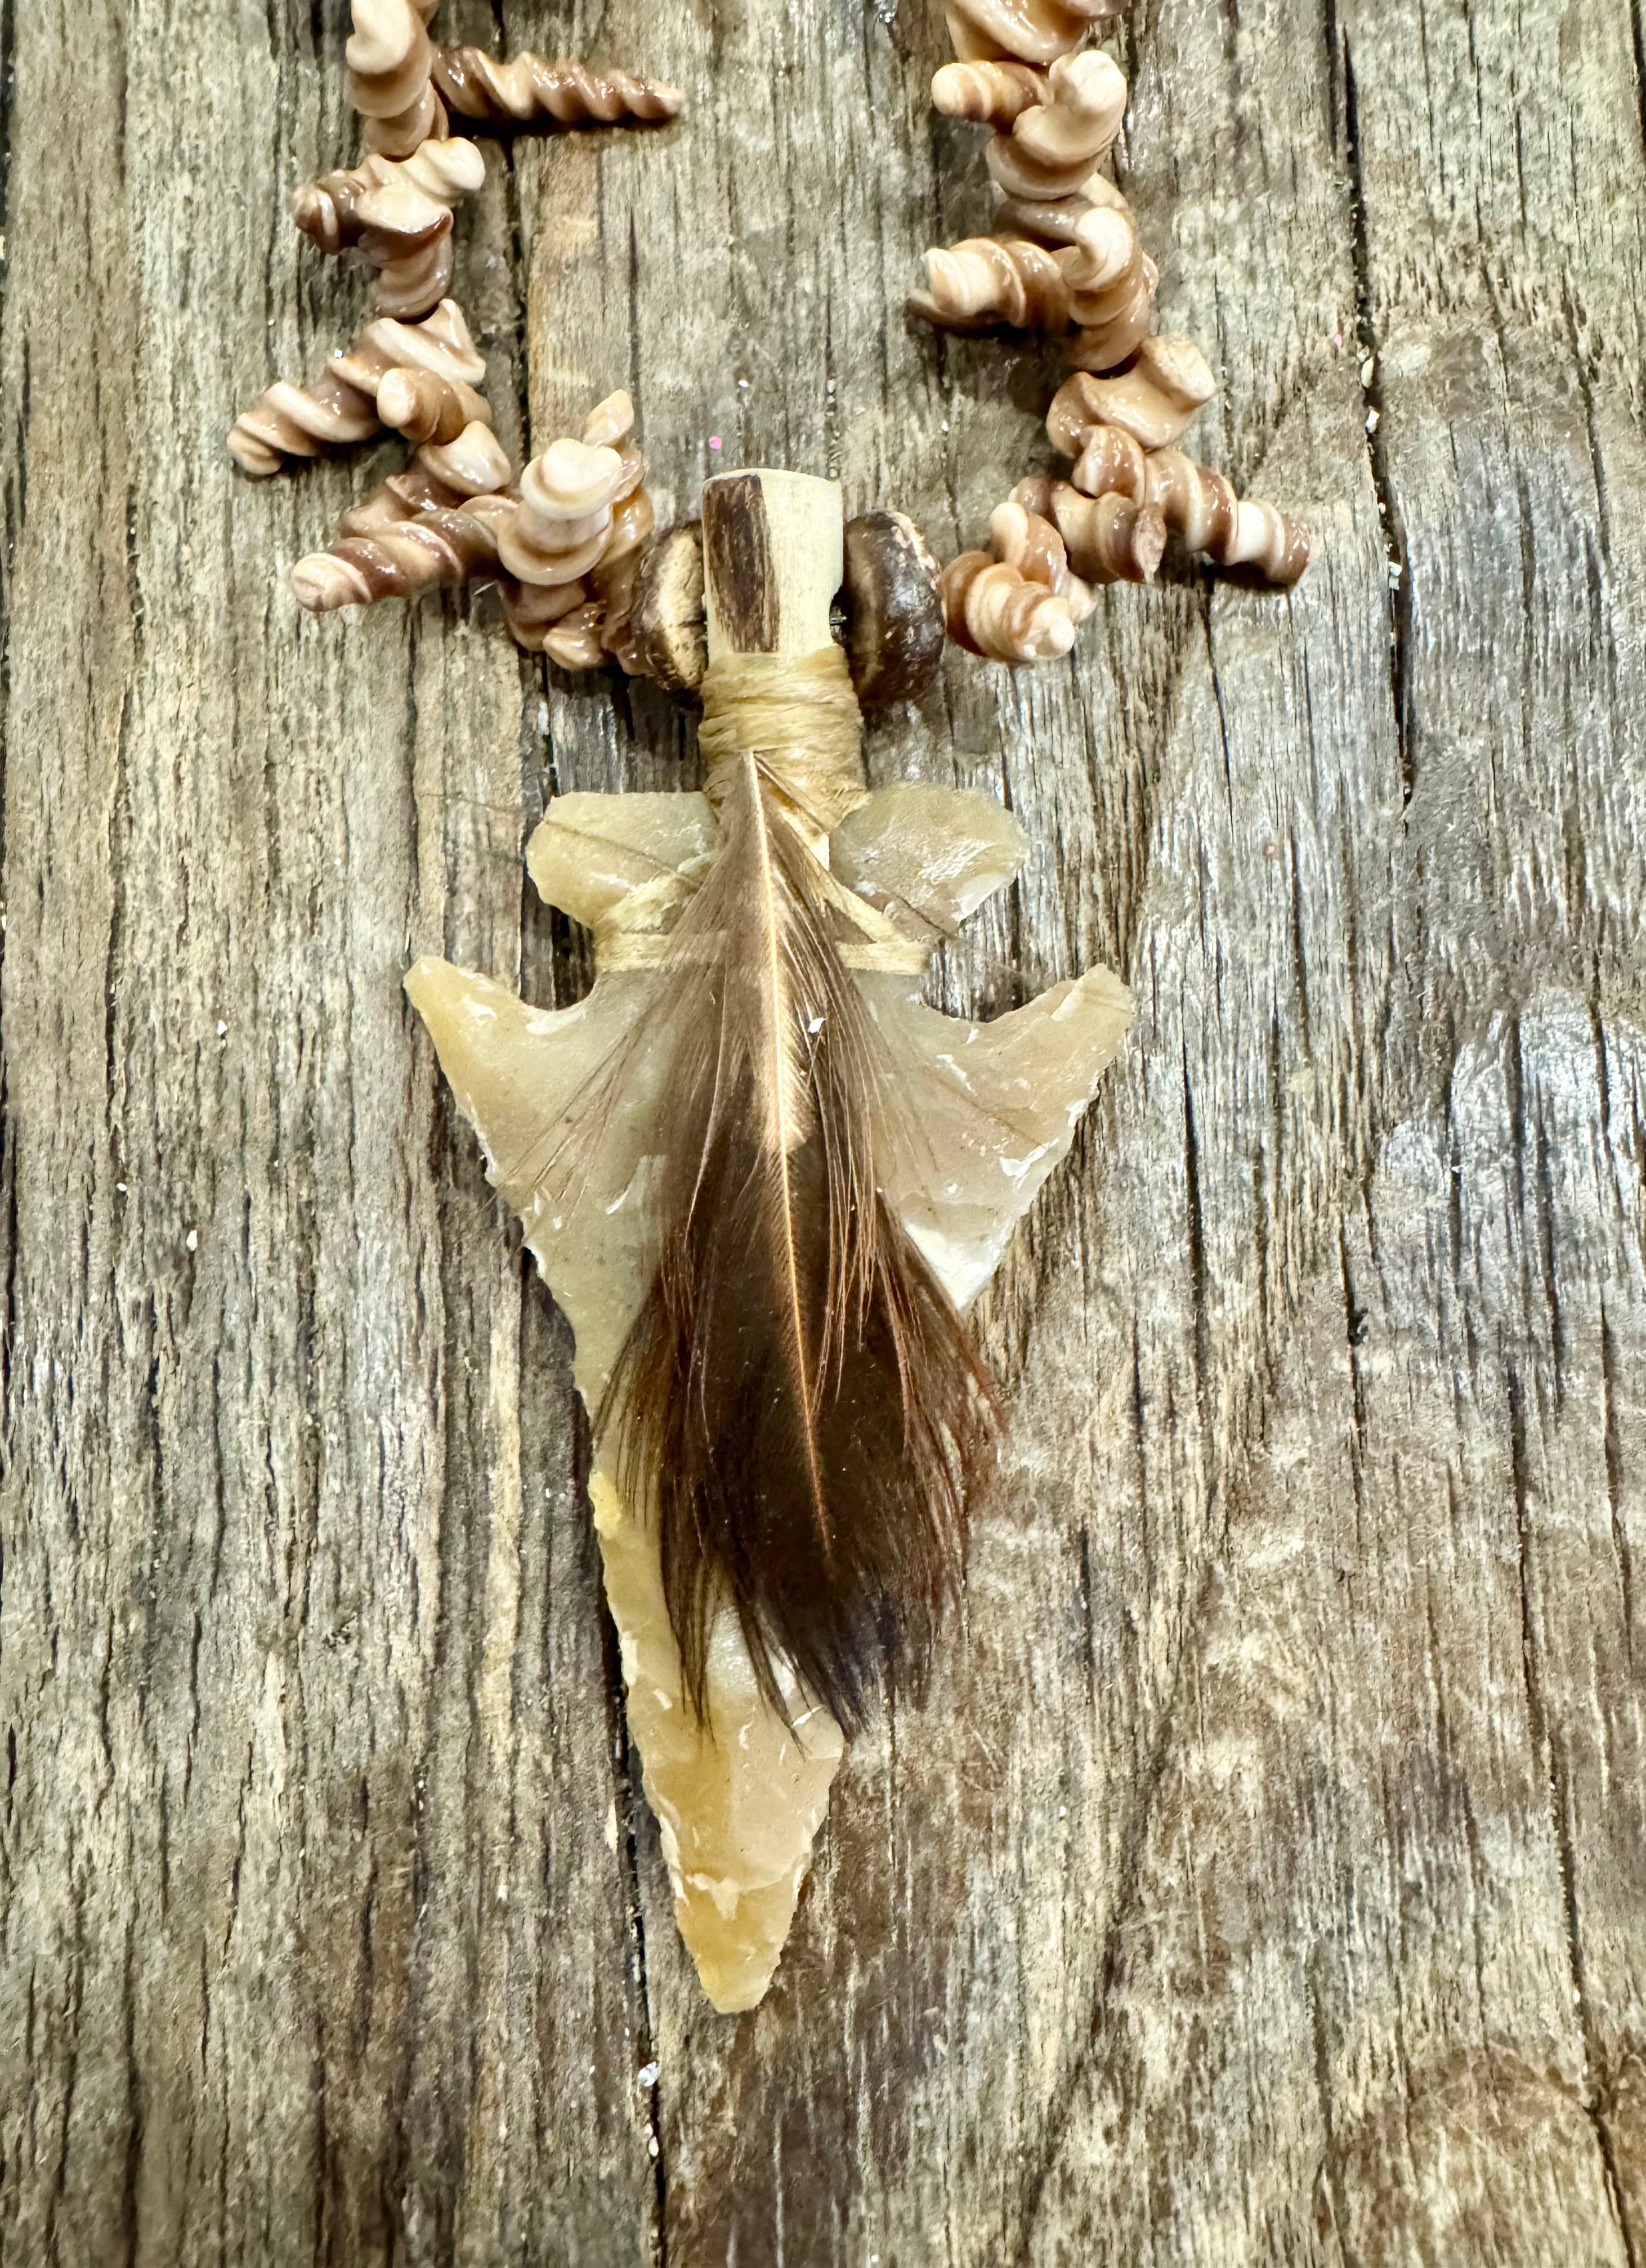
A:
x: 388, y: 59
x: 1054, y: 145
x: 529, y: 90
x: 1155, y: 401
x: 1021, y: 31
x: 988, y: 94
x: 987, y: 279
x: 1109, y: 539
x: 991, y: 609
x: 292, y: 423
x: 399, y: 561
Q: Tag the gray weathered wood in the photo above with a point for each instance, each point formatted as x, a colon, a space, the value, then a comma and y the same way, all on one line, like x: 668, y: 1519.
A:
x: 1266, y: 1879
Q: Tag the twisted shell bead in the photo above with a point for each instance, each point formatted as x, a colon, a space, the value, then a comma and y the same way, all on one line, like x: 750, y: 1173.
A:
x: 1205, y: 510
x: 992, y: 609
x: 1029, y: 542
x: 425, y: 407
x: 1109, y: 539
x: 527, y: 90
x: 1155, y: 401
x: 988, y: 94
x: 389, y: 58
x: 291, y: 423
x: 989, y: 279
x: 1202, y: 507
x: 1055, y: 145
x: 1021, y: 31
x: 396, y: 561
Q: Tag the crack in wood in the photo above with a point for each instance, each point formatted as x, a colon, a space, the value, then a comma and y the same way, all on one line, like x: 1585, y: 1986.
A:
x: 1371, y: 350
x: 1549, y: 1745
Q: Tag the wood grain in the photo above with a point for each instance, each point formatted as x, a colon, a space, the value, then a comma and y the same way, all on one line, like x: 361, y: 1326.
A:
x: 1266, y: 1879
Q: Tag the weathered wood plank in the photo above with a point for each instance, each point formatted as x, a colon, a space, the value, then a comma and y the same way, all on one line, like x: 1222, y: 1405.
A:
x: 1264, y: 1881
x: 282, y: 1959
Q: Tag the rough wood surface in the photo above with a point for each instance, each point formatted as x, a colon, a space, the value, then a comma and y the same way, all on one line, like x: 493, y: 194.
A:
x: 1266, y: 1880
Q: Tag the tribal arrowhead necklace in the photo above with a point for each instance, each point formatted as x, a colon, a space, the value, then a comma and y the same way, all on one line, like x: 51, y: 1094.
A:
x: 763, y: 1179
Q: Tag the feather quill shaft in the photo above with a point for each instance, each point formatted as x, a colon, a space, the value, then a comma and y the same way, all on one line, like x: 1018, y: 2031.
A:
x: 798, y: 1404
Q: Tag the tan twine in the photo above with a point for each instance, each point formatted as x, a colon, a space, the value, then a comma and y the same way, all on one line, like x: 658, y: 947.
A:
x: 797, y: 716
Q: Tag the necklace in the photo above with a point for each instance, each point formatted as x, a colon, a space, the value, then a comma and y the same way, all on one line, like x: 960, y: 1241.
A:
x: 763, y: 1179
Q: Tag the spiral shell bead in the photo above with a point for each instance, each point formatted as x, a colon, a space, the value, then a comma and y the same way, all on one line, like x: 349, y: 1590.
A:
x: 1109, y: 539
x: 440, y: 343
x: 1022, y: 31
x: 415, y: 277
x: 532, y: 610
x: 1204, y: 509
x: 1029, y: 541
x: 995, y: 610
x: 570, y: 542
x: 1056, y: 143
x: 1110, y: 462
x: 389, y: 58
x: 427, y: 408
x: 574, y: 641
x: 402, y: 497
x: 1110, y: 283
x: 472, y: 464
x: 392, y: 195
x: 528, y: 89
x: 988, y: 94
x: 989, y: 279
x: 619, y: 583
x: 295, y: 423
x: 1155, y: 401
x: 564, y: 518
x: 397, y: 561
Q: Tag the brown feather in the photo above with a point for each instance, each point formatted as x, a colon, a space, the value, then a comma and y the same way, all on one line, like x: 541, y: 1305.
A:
x: 798, y: 1403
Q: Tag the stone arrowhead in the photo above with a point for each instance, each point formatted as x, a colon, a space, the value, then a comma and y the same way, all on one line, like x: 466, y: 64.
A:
x: 994, y: 1105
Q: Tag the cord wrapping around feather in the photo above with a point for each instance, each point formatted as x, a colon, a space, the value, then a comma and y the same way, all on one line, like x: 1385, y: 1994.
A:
x: 799, y: 1405
x: 799, y: 714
